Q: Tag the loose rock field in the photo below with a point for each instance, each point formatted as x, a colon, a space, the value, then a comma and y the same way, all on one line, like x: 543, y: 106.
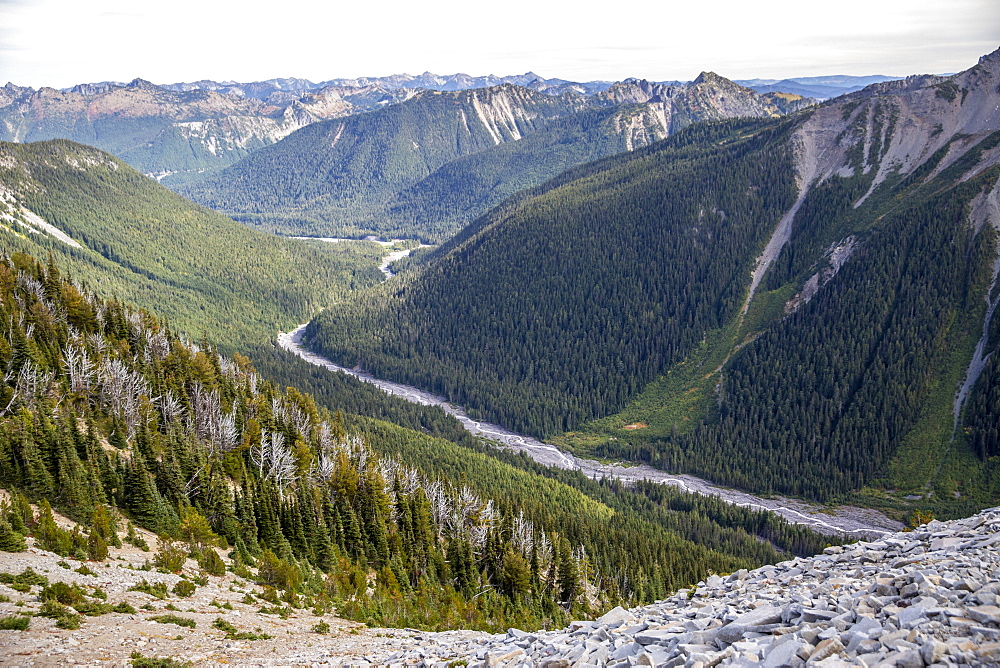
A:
x: 926, y: 597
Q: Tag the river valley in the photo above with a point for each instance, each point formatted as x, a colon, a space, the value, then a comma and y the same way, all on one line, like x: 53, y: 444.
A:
x: 848, y: 520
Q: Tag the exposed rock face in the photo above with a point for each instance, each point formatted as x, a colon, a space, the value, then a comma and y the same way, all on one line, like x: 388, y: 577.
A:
x: 207, y: 125
x: 898, y: 125
x: 927, y: 597
x: 709, y: 97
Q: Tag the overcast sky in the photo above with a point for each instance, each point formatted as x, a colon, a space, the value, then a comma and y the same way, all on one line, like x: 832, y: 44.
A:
x: 64, y: 42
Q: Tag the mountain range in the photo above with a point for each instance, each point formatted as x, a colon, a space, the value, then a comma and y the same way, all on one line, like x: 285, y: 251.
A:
x: 180, y: 131
x: 429, y: 165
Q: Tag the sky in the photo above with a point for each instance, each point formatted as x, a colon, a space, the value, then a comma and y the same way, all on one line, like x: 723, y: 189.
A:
x: 60, y: 43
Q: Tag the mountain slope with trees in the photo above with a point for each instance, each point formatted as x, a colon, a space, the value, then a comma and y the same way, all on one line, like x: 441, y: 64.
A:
x: 107, y: 411
x: 821, y: 283
x: 124, y: 234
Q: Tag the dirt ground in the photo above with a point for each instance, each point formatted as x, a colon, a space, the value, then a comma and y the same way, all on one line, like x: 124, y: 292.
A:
x: 110, y: 639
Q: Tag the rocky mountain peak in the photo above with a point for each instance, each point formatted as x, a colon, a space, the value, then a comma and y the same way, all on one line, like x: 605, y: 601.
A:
x: 141, y: 83
x: 710, y: 78
x: 993, y: 57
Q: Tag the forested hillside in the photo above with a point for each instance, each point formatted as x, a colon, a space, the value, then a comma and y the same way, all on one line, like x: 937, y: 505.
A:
x: 106, y: 408
x: 340, y: 172
x: 799, y: 306
x: 658, y: 242
x: 124, y: 234
x: 428, y: 166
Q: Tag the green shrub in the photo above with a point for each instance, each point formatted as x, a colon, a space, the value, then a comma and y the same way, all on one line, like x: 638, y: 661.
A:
x: 232, y: 633
x: 71, y: 621
x: 67, y: 594
x: 97, y: 547
x: 212, y: 563
x: 105, y: 524
x: 49, y: 536
x: 184, y: 588
x: 140, y: 661
x: 321, y: 627
x: 92, y: 608
x: 25, y: 580
x: 274, y: 571
x: 135, y: 539
x: 124, y: 607
x: 170, y: 557
x: 223, y: 625
x: 10, y: 540
x: 270, y: 595
x: 65, y: 617
x: 174, y: 619
x: 158, y: 590
x: 14, y: 623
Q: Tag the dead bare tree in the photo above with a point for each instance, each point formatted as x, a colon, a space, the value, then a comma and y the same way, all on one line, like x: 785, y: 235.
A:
x: 274, y: 461
x: 214, y: 426
x: 78, y: 367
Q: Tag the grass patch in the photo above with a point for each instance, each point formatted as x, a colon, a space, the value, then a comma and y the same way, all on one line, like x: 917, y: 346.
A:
x: 765, y: 308
x: 674, y: 403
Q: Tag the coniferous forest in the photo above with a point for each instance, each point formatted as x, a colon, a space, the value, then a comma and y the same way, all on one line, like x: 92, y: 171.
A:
x: 106, y: 408
x: 840, y: 373
x: 798, y: 305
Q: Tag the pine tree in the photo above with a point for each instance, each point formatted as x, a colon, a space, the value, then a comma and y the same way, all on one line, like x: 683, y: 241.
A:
x: 10, y: 540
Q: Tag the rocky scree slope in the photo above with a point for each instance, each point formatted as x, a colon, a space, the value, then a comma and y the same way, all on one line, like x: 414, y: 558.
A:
x: 926, y: 597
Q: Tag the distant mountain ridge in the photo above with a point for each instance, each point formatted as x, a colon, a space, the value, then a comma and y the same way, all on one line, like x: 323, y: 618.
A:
x: 429, y: 165
x: 178, y: 131
x: 819, y: 87
x: 157, y: 130
x: 426, y: 81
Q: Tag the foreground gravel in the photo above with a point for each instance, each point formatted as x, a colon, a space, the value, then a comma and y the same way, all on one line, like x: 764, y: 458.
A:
x: 927, y: 597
